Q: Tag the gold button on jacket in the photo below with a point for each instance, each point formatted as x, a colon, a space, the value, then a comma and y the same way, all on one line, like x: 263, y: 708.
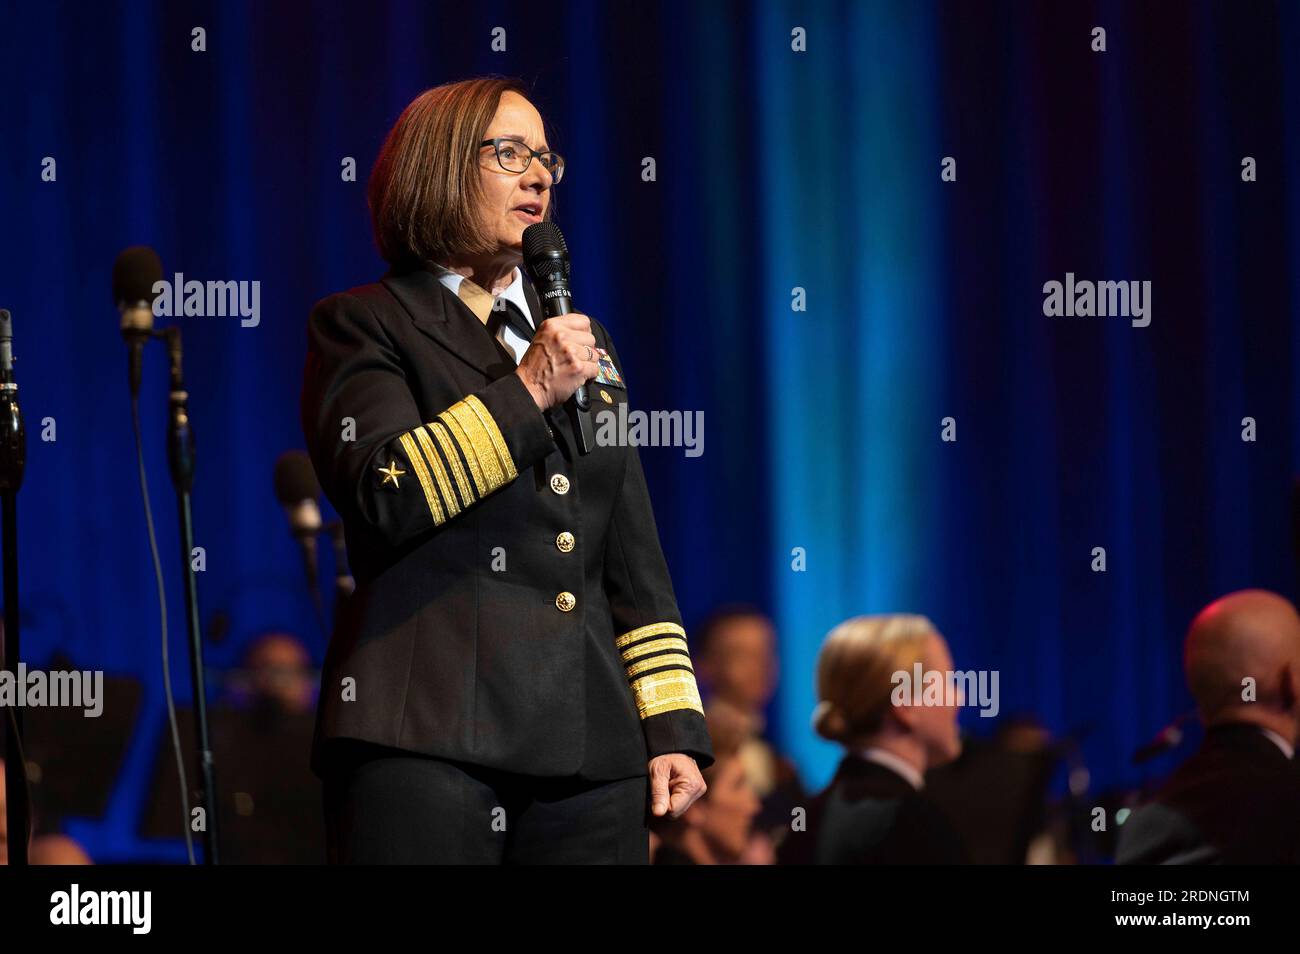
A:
x: 565, y: 602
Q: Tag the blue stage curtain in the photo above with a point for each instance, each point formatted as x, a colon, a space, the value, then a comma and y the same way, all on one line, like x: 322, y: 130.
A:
x: 774, y: 170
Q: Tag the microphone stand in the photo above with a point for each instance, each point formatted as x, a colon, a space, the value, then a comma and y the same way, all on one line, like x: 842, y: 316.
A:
x: 180, y: 458
x: 344, y: 584
x: 307, y: 539
x: 13, y: 458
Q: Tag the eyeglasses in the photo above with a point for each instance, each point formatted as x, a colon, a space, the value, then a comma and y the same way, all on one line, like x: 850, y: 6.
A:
x: 514, y: 156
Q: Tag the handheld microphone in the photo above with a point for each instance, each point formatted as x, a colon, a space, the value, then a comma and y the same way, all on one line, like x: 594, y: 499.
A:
x: 135, y: 272
x: 546, y: 260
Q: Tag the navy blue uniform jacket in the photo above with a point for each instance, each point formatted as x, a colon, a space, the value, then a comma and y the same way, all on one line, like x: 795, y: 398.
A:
x: 513, y: 608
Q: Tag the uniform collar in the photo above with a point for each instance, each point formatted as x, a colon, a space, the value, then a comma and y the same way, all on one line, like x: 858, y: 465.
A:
x: 1287, y: 748
x: 900, y: 767
x: 1246, y: 733
x: 515, y: 292
x: 439, y: 314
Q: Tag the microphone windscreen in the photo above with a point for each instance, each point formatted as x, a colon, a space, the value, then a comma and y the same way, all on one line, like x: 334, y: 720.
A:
x: 295, y: 479
x: 134, y: 274
x: 543, y: 248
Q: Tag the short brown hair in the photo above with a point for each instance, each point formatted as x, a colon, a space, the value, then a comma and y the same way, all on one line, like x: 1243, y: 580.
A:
x: 424, y: 190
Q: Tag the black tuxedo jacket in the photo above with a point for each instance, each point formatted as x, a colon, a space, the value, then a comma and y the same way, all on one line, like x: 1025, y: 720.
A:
x: 513, y: 608
x: 868, y: 815
x: 1236, y: 801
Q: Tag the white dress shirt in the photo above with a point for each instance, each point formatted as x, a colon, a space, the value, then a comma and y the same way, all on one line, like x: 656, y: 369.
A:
x: 513, y: 341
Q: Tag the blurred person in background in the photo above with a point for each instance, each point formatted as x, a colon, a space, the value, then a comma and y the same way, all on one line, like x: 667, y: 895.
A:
x: 58, y: 850
x: 270, y: 802
x: 873, y: 811
x: 263, y: 741
x: 43, y: 849
x: 737, y: 663
x: 280, y: 674
x: 718, y: 829
x: 1237, y: 800
x: 995, y: 794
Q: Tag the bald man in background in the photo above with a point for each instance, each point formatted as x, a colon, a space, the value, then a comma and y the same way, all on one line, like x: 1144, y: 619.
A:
x: 1237, y: 800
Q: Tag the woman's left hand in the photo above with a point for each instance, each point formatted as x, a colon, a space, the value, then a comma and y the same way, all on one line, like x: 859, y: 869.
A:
x: 675, y: 784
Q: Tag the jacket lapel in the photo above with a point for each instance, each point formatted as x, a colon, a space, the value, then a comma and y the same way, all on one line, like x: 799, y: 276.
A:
x: 448, y: 321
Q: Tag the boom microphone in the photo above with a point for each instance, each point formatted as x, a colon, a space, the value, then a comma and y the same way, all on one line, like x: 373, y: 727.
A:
x: 1166, y: 740
x: 546, y: 260
x: 134, y: 274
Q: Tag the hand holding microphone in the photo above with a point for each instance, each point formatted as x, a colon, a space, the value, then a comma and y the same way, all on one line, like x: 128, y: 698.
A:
x: 561, y: 358
x: 557, y: 371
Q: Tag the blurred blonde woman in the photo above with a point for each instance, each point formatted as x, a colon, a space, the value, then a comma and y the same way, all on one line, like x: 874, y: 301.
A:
x: 873, y: 811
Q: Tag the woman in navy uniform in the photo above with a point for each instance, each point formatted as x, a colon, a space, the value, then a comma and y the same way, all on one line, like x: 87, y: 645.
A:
x: 510, y: 681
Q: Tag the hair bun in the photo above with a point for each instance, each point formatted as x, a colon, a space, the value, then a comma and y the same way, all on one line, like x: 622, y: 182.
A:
x: 828, y: 721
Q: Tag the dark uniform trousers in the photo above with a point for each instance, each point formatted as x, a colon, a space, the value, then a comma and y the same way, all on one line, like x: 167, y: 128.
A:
x: 387, y: 807
x: 513, y: 654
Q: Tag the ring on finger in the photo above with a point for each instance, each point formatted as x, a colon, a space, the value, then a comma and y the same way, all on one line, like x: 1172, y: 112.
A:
x: 589, y: 352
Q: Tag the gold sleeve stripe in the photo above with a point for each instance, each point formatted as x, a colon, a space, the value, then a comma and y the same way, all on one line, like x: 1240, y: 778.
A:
x: 655, y: 662
x: 482, y: 479
x: 463, y: 438
x: 675, y: 643
x: 473, y: 439
x: 422, y: 474
x: 453, y: 461
x: 494, y: 435
x: 444, y: 482
x: 447, y: 441
x: 645, y: 632
x: 666, y: 692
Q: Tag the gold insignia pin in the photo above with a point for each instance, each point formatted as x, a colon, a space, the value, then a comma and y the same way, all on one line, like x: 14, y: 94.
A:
x: 391, y: 473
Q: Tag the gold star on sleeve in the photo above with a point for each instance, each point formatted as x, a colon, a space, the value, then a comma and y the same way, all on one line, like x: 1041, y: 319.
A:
x: 391, y: 473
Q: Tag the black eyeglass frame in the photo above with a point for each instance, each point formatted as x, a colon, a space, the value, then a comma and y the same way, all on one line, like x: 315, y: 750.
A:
x: 532, y: 154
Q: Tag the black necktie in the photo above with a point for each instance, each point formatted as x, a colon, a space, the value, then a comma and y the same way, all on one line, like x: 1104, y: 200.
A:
x: 507, y: 312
